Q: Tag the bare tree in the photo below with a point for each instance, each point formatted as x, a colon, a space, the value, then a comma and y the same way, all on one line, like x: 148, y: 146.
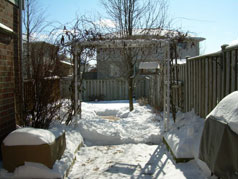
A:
x: 135, y: 18
x: 34, y: 22
x: 129, y: 15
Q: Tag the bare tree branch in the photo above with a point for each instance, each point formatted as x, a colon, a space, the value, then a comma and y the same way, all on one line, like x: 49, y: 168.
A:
x: 132, y: 17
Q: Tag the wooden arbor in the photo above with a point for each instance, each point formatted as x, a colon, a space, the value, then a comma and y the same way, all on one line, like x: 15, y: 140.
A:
x: 154, y: 67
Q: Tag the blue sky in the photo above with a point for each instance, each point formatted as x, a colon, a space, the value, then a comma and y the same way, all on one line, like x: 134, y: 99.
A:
x: 215, y: 20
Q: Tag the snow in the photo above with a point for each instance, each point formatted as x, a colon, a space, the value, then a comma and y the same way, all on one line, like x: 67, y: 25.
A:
x: 106, y: 23
x: 233, y: 43
x: 34, y: 170
x: 156, y: 32
x: 65, y: 62
x: 52, y: 77
x: 184, y: 136
x: 30, y: 170
x: 180, y: 61
x: 131, y: 161
x: 227, y: 111
x: 128, y: 147
x: 138, y: 126
x: 29, y: 136
x: 5, y: 27
x: 119, y: 149
x: 73, y: 141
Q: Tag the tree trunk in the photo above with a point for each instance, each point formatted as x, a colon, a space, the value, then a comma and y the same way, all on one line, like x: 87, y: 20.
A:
x: 130, y: 93
x: 28, y: 61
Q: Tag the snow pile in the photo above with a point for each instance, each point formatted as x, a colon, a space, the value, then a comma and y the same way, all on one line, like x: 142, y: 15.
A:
x: 29, y: 136
x: 73, y: 141
x: 227, y: 111
x: 36, y: 170
x: 138, y: 126
x: 184, y: 136
x: 30, y: 170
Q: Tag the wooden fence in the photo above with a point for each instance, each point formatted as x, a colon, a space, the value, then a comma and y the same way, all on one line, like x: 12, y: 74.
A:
x: 116, y: 89
x: 207, y: 79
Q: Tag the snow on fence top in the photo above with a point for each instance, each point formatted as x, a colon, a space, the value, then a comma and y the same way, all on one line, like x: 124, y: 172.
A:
x: 29, y: 136
x: 227, y: 111
x: 233, y: 43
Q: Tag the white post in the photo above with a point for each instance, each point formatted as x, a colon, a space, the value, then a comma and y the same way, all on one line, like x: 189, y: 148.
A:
x: 75, y: 82
x: 167, y: 88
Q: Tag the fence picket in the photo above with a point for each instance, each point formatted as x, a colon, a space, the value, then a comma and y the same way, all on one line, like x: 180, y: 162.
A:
x: 233, y: 72
x: 228, y: 70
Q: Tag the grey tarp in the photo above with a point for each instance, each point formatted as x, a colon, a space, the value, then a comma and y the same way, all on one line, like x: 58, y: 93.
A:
x: 47, y: 154
x: 219, y: 148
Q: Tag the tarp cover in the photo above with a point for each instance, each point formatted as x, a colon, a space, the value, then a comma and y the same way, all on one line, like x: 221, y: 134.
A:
x: 219, y: 141
x: 16, y: 155
x: 227, y: 111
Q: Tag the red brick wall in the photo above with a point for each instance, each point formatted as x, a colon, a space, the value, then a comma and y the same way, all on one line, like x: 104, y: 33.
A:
x: 10, y: 74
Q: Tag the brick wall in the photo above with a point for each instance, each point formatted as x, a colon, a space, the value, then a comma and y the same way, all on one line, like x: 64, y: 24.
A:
x: 10, y: 78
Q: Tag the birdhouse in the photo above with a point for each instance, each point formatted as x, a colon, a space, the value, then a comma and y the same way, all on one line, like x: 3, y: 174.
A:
x: 149, y: 68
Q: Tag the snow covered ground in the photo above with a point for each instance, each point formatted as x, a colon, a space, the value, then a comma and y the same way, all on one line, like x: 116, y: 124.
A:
x: 123, y: 144
x: 138, y: 126
x: 131, y: 161
x: 130, y: 146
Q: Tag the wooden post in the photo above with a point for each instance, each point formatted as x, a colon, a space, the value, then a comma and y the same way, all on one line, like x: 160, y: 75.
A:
x: 206, y: 86
x: 167, y: 89
x: 187, y: 86
x: 223, y: 59
x: 233, y: 74
x: 75, y: 83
